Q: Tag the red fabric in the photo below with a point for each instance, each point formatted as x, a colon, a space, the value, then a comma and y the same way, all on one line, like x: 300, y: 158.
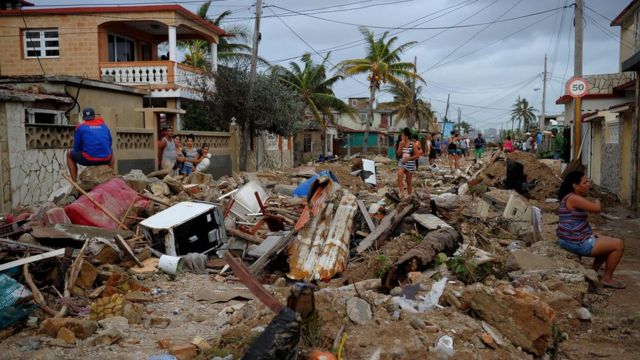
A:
x: 114, y: 195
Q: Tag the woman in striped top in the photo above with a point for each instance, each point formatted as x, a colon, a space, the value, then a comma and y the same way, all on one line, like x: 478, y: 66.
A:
x: 407, y: 161
x: 575, y: 234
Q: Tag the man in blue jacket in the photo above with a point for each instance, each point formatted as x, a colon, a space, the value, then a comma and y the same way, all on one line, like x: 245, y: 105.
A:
x: 91, y: 144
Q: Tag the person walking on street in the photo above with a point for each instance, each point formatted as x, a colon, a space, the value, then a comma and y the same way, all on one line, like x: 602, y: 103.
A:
x: 91, y: 144
x: 167, y: 152
x: 407, y: 162
x: 431, y: 149
x: 479, y: 144
x: 558, y: 144
x: 453, y: 149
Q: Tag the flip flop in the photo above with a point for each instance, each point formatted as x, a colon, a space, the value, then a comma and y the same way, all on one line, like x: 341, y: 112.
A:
x: 615, y: 285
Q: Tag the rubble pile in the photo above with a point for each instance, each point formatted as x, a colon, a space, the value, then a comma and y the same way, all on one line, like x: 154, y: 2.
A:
x: 325, y: 260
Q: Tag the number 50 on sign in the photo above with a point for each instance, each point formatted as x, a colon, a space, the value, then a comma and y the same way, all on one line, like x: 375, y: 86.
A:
x: 578, y: 87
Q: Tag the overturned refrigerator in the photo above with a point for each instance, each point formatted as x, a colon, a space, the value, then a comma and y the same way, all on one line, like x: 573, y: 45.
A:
x: 189, y: 226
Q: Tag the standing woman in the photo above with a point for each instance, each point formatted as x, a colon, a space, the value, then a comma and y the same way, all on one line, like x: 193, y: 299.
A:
x: 454, y: 151
x: 407, y: 161
x: 575, y: 234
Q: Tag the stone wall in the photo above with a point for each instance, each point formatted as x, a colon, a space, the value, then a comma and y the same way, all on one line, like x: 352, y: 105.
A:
x: 604, y: 83
x: 610, y: 179
x: 5, y: 170
x: 35, y: 173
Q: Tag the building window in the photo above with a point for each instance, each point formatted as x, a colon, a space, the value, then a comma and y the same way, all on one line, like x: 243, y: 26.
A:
x: 45, y: 117
x: 363, y: 118
x: 384, y: 120
x: 41, y: 43
x: 307, y: 143
x: 121, y: 49
x: 354, y: 102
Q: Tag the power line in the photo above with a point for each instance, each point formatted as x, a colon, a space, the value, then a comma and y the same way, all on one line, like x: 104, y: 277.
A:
x: 421, y: 28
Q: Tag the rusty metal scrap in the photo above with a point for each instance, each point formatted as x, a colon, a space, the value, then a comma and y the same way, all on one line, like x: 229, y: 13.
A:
x: 321, y: 249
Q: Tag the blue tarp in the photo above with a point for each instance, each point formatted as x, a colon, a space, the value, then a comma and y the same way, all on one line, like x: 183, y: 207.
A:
x: 303, y: 189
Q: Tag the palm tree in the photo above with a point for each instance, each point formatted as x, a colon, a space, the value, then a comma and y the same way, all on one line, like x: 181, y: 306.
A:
x: 382, y: 64
x: 314, y: 88
x: 408, y: 105
x: 228, y: 50
x: 522, y: 112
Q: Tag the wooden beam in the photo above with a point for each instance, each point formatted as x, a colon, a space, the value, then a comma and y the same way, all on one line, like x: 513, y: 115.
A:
x: 125, y: 247
x: 262, y: 261
x: 365, y: 214
x: 244, y: 236
x: 388, y: 223
x: 30, y: 259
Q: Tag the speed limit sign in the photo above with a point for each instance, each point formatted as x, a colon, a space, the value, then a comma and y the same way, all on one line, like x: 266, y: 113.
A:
x: 578, y: 87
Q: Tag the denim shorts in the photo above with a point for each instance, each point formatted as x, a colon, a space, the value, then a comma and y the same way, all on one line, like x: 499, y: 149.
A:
x: 580, y: 248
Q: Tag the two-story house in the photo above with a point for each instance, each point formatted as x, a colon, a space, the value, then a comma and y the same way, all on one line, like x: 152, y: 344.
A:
x: 119, y: 60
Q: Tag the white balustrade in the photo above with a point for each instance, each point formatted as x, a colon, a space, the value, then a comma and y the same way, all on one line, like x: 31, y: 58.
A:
x: 128, y: 75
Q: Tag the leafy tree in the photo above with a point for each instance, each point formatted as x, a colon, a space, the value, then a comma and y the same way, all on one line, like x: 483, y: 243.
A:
x: 230, y: 49
x: 408, y: 106
x: 463, y: 127
x: 274, y: 107
x: 382, y: 64
x: 314, y: 88
x: 523, y: 113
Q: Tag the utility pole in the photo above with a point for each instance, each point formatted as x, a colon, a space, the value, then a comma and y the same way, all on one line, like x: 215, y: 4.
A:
x: 544, y: 93
x: 414, y: 97
x: 248, y: 123
x: 446, y: 111
x: 577, y: 71
x: 459, y: 119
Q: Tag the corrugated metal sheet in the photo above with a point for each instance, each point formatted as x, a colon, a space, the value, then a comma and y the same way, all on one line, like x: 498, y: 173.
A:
x: 321, y: 249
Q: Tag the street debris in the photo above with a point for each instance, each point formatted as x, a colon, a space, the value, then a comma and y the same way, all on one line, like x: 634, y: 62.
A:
x: 311, y: 261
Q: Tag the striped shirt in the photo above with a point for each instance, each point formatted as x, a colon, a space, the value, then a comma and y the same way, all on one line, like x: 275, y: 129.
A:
x: 573, y: 224
x: 410, y: 165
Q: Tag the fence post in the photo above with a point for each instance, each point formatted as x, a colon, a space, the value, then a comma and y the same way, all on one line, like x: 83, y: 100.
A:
x: 234, y: 146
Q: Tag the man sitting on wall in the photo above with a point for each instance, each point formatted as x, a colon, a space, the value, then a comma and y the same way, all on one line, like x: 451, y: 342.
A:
x: 91, y: 144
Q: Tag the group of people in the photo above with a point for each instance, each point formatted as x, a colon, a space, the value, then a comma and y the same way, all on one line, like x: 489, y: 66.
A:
x: 409, y: 149
x: 182, y: 160
x: 534, y: 141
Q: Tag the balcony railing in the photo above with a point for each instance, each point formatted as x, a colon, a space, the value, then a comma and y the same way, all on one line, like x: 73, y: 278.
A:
x: 157, y: 73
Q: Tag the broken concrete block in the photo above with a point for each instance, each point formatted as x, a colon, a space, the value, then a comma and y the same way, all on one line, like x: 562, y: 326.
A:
x: 159, y: 189
x: 66, y: 335
x: 359, y: 311
x: 93, y: 176
x: 87, y: 276
x: 174, y: 184
x: 284, y: 189
x: 81, y: 328
x: 200, y: 178
x: 184, y: 351
x: 523, y: 318
x: 117, y: 322
x: 136, y: 180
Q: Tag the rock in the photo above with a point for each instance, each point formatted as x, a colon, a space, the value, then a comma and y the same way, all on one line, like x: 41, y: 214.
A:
x: 523, y: 318
x: 43, y: 354
x: 133, y: 312
x: 107, y: 306
x: 117, y: 322
x: 136, y: 180
x: 174, y: 184
x: 87, y: 276
x: 418, y: 324
x: 66, y: 335
x: 93, y: 176
x: 31, y: 344
x: 280, y: 282
x: 525, y: 260
x: 159, y: 189
x: 560, y: 302
x: 583, y: 314
x: 200, y: 178
x: 184, y: 351
x: 488, y: 340
x: 81, y: 328
x: 201, y: 343
x: 284, y: 189
x: 160, y: 174
x: 108, y: 337
x: 396, y: 291
x: 161, y: 323
x: 28, y: 239
x: 359, y: 311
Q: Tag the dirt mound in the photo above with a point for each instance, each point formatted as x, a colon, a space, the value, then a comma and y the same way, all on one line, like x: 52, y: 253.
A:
x: 547, y: 183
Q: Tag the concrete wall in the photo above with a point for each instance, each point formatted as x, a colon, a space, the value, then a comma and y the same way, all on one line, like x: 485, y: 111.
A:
x: 34, y: 173
x: 5, y: 169
x: 626, y: 136
x: 117, y: 108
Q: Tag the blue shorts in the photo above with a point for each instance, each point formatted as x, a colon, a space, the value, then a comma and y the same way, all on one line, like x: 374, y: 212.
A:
x: 453, y: 152
x: 79, y: 159
x: 580, y: 248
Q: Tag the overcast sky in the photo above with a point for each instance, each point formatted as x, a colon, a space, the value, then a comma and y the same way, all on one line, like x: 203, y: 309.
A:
x: 483, y: 67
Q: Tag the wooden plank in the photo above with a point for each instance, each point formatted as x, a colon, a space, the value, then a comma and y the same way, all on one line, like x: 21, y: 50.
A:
x: 25, y: 245
x: 244, y: 236
x: 365, y: 214
x: 262, y: 261
x: 388, y: 223
x: 125, y: 247
x: 30, y: 259
x: 430, y: 221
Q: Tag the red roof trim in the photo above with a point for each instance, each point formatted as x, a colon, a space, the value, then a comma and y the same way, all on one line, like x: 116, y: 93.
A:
x: 618, y: 20
x: 565, y: 99
x: 624, y: 86
x: 630, y: 103
x: 116, y: 9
